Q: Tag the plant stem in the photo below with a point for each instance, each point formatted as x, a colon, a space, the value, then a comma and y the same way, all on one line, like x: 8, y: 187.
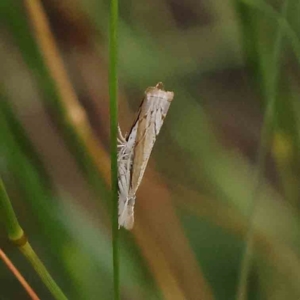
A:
x: 12, y: 226
x: 266, y: 136
x: 41, y: 270
x: 18, y: 275
x: 17, y: 237
x: 113, y: 92
x: 71, y: 117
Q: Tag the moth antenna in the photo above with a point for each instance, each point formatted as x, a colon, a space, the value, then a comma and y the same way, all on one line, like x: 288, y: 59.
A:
x: 160, y: 86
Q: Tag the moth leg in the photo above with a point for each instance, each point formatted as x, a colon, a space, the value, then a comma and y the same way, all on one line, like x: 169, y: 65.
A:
x: 122, y: 145
x: 123, y: 155
x: 121, y: 138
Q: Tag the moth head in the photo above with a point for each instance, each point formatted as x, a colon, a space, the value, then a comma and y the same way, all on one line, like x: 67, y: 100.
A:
x: 169, y: 95
x: 160, y: 92
x: 160, y: 86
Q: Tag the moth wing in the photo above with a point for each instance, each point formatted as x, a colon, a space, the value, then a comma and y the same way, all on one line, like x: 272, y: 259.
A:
x: 151, y: 117
x: 126, y: 212
x: 134, y: 155
x: 146, y: 137
x: 162, y: 111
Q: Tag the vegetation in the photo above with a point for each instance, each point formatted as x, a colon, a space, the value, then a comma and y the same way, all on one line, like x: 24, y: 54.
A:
x: 217, y: 214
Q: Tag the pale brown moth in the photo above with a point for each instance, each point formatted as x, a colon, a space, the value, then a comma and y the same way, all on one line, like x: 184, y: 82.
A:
x: 135, y: 150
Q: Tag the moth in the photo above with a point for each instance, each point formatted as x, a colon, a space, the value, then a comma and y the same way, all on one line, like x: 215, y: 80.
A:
x: 135, y: 149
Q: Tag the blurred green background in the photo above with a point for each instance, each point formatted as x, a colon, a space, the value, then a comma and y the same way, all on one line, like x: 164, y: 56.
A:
x: 224, y: 60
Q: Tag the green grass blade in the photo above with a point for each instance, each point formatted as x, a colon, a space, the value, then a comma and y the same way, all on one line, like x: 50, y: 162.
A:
x: 281, y: 21
x: 17, y: 236
x: 32, y: 55
x: 8, y: 216
x: 113, y: 91
x: 41, y: 270
x: 266, y: 135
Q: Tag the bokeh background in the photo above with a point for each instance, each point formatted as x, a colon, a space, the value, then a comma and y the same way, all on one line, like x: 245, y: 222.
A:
x: 224, y: 60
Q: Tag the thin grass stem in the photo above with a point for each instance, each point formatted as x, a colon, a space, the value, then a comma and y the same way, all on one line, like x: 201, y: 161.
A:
x: 41, y: 270
x: 18, y: 238
x: 281, y: 20
x: 19, y: 276
x: 12, y: 226
x: 113, y: 93
x: 72, y: 118
x: 266, y: 136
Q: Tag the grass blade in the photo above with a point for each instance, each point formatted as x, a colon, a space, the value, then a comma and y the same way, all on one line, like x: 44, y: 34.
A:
x: 266, y: 135
x: 19, y: 239
x: 18, y: 275
x: 113, y: 93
